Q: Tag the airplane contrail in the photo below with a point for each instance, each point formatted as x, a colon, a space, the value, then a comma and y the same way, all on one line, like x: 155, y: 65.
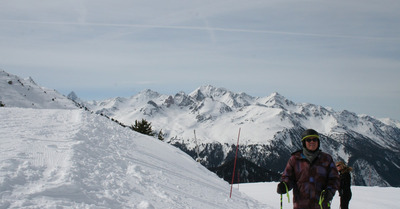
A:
x: 198, y: 28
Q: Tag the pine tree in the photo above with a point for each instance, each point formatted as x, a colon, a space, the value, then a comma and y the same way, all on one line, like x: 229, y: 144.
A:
x: 143, y: 127
x: 160, y: 135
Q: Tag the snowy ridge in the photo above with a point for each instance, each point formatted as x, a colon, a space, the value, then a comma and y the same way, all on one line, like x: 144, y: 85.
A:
x: 17, y: 92
x: 71, y: 158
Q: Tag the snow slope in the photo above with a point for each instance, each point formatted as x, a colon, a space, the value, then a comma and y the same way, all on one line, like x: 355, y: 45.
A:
x: 363, y: 197
x: 58, y: 158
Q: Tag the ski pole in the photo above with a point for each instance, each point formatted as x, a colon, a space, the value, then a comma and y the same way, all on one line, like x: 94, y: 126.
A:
x: 234, y: 164
x: 322, y: 198
x: 287, y: 193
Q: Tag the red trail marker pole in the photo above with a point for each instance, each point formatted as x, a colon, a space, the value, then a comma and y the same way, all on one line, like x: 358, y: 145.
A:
x: 234, y: 164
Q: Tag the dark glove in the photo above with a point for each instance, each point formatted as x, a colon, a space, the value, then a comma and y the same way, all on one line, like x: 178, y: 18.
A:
x: 328, y: 195
x: 281, y: 189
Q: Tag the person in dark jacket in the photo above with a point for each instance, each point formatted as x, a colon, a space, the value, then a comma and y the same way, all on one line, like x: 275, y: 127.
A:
x: 311, y: 174
x: 345, y: 183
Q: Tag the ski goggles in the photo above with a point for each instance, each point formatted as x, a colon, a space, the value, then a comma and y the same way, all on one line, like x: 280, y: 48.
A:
x: 310, y: 138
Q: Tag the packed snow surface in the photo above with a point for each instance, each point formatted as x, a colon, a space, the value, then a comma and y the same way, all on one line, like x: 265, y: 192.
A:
x: 362, y: 198
x: 53, y: 158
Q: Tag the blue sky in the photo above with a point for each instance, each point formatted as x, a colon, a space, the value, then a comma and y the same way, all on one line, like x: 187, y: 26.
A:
x: 341, y: 54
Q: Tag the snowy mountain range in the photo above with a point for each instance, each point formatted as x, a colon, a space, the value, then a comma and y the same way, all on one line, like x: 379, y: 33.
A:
x: 206, y: 123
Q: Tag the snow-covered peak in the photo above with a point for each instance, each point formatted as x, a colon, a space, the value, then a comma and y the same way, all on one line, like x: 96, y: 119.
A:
x: 72, y: 96
x: 276, y: 100
x: 30, y: 80
x: 208, y: 90
x: 231, y: 99
x: 148, y: 93
x: 390, y: 122
x: 17, y: 92
x: 182, y: 99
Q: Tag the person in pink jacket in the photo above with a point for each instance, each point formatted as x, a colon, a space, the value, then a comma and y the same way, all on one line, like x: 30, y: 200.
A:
x: 311, y: 174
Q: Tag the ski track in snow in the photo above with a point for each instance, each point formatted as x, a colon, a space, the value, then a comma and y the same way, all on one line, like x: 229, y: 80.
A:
x: 38, y: 152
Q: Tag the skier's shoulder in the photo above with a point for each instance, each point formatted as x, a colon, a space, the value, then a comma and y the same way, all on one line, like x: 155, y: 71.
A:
x: 325, y: 155
x: 297, y: 153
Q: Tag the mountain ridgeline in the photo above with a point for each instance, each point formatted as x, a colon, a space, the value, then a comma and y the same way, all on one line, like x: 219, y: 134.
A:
x: 205, y: 124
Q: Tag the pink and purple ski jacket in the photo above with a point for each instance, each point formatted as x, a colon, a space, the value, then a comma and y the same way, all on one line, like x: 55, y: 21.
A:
x: 309, y: 180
